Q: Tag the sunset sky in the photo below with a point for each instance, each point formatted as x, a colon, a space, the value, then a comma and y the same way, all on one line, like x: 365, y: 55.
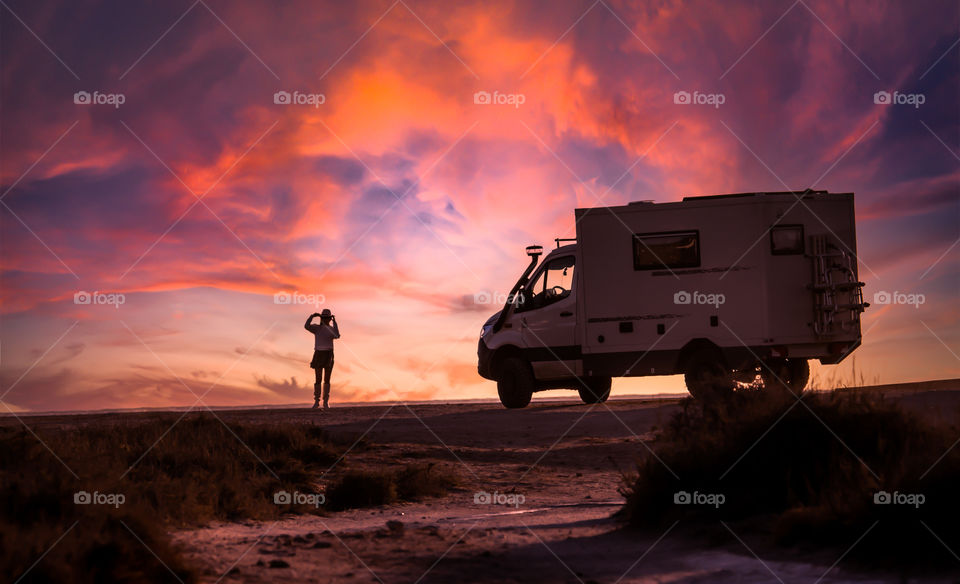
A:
x: 398, y: 198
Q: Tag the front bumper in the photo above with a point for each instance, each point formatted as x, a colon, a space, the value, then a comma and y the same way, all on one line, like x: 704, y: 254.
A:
x: 484, y: 361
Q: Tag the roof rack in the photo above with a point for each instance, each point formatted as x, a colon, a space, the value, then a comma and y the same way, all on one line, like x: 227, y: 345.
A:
x: 559, y: 239
x: 804, y: 192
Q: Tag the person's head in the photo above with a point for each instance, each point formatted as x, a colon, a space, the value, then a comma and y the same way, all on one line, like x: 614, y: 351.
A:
x: 326, y: 315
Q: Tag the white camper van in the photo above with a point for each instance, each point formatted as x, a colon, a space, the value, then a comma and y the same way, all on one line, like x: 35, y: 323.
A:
x: 730, y: 290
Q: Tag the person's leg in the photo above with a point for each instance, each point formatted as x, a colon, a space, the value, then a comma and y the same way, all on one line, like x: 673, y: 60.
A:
x: 318, y: 370
x: 328, y: 370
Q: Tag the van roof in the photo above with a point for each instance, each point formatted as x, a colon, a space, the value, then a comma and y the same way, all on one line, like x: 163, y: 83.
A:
x: 760, y: 194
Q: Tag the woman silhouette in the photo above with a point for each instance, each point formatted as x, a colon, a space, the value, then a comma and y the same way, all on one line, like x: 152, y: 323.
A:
x: 322, y: 362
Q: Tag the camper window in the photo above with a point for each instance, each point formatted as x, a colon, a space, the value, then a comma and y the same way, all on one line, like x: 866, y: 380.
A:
x: 786, y: 239
x: 674, y: 249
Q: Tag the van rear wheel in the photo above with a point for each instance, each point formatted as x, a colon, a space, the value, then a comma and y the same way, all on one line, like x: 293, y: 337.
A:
x: 785, y: 377
x: 707, y: 377
x: 515, y: 383
x: 594, y: 390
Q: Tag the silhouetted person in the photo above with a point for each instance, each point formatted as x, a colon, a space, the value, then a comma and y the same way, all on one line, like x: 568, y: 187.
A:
x: 322, y: 362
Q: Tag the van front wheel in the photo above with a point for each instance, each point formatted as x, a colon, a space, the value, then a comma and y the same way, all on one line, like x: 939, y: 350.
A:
x: 594, y: 390
x: 515, y: 383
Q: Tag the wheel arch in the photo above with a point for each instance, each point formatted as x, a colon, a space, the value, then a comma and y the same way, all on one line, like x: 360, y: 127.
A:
x: 501, y: 354
x: 695, y: 346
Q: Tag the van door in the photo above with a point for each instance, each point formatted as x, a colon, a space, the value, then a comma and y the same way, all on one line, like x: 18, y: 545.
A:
x: 548, y: 321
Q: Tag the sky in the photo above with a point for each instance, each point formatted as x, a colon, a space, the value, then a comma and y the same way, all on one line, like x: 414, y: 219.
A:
x: 168, y: 168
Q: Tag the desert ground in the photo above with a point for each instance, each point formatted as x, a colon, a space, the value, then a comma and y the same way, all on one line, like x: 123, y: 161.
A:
x: 552, y: 470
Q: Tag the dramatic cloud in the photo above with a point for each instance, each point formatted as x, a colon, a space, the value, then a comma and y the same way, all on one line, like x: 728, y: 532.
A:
x: 388, y: 194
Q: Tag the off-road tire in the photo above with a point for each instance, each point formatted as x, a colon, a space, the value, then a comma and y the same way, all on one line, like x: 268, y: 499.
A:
x: 595, y: 390
x: 707, y: 377
x: 515, y: 383
x: 795, y: 373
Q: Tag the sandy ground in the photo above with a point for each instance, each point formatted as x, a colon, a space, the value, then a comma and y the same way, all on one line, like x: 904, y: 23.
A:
x: 565, y: 459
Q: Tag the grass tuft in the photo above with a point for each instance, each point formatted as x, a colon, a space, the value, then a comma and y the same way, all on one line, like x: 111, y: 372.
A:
x: 814, y: 469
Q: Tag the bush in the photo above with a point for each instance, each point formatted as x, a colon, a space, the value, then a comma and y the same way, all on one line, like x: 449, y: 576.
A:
x: 813, y: 467
x: 195, y: 472
x: 369, y: 488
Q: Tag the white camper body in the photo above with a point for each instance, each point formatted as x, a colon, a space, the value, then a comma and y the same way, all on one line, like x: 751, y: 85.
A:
x: 746, y: 287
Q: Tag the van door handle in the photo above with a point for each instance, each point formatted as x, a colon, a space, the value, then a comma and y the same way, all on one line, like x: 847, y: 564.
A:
x: 566, y: 313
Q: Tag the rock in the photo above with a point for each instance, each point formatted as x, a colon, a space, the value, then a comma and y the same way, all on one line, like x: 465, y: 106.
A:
x: 279, y: 564
x: 395, y: 526
x: 322, y: 545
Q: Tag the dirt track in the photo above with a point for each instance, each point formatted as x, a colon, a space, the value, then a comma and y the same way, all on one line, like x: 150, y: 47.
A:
x: 563, y: 458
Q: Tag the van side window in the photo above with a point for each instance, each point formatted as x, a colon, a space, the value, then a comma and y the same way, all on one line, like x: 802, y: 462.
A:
x: 552, y: 284
x: 786, y: 240
x: 670, y: 249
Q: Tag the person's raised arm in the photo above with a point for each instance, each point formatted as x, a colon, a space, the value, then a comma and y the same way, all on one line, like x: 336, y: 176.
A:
x: 306, y: 325
x: 336, y: 328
